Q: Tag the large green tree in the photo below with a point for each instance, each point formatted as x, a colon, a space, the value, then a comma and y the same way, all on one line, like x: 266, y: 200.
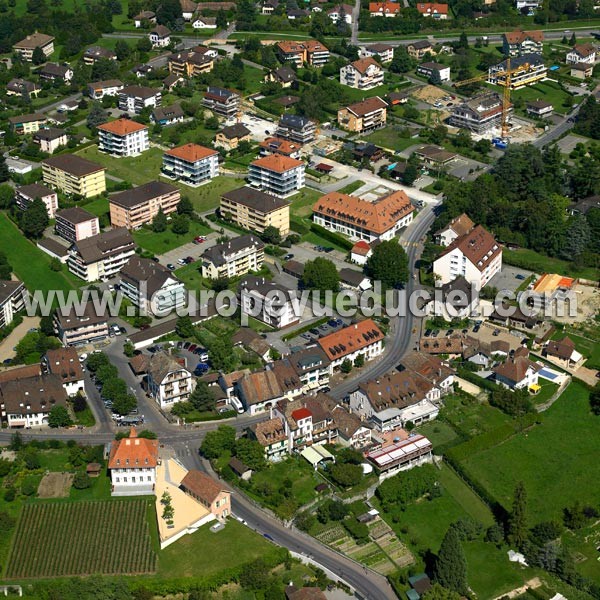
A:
x: 35, y: 219
x: 320, y: 274
x: 202, y: 398
x: 159, y: 222
x: 517, y: 521
x: 59, y: 417
x: 450, y: 569
x: 388, y: 264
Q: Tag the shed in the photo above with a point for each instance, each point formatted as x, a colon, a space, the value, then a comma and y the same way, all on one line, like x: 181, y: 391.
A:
x: 240, y: 469
x: 93, y: 469
x: 324, y: 168
x: 316, y: 454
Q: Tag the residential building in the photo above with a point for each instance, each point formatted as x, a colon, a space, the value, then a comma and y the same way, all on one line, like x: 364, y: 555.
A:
x: 26, y: 47
x: 144, y: 16
x: 123, y: 137
x: 382, y: 52
x: 56, y: 72
x: 201, y: 22
x: 168, y: 381
x: 22, y: 87
x: 287, y: 101
x: 255, y: 210
x: 433, y: 369
x: 540, y: 109
x: 236, y: 257
x: 167, y: 115
x: 50, y: 139
x: 435, y: 156
x: 64, y: 363
x: 361, y: 339
x: 160, y: 36
x: 171, y: 81
x: 581, y: 53
x: 261, y: 390
x: 361, y: 219
x: 142, y: 70
x: 364, y: 116
x: 209, y: 492
x: 74, y: 329
x: 26, y: 124
x: 518, y: 372
x: 360, y: 252
x: 563, y: 353
x: 188, y: 8
x: 384, y: 9
x: 75, y: 224
x: 433, y: 10
x: 457, y: 227
x: 191, y: 164
x: 312, y: 52
x: 458, y: 298
x: 72, y: 174
x: 253, y: 342
x: 518, y: 43
x: 312, y: 367
x: 529, y: 6
x: 476, y: 256
x: 525, y: 69
x: 478, y: 114
x: 138, y: 206
x: 362, y: 74
x: 352, y: 431
x: 341, y: 12
x: 26, y: 402
x: 12, y: 300
x: 582, y: 70
x: 230, y: 137
x: 101, y: 256
x: 191, y: 63
x: 400, y: 456
x: 222, y: 102
x: 277, y: 174
x: 151, y: 287
x: 134, y: 98
x: 274, y: 145
x: 435, y: 72
x: 95, y: 53
x: 284, y: 76
x: 98, y: 89
x: 269, y: 302
x: 351, y: 279
x: 132, y: 464
x: 296, y: 128
x: 419, y: 49
x: 26, y: 194
x: 271, y: 435
x: 268, y: 7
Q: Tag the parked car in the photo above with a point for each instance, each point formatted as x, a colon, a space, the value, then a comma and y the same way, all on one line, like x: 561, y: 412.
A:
x: 171, y: 267
x: 427, y: 332
x: 314, y: 331
x: 288, y: 256
x: 519, y: 276
x: 181, y: 261
x: 192, y: 348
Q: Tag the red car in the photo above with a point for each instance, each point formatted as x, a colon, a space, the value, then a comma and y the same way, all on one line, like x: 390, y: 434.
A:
x: 200, y: 239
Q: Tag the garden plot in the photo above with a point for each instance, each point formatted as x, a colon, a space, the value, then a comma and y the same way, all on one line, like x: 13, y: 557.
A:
x: 55, y: 485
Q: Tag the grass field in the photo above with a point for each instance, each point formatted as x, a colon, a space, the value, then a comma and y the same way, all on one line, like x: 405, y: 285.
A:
x: 548, y: 90
x: 207, y: 197
x: 158, y: 243
x: 301, y: 203
x: 97, y: 207
x: 30, y: 264
x: 530, y: 259
x: 82, y: 538
x: 388, y: 138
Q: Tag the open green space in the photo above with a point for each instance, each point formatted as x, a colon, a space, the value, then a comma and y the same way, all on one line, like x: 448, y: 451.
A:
x: 472, y: 417
x: 437, y: 432
x: 207, y: 197
x: 30, y: 264
x: 546, y: 90
x: 533, y: 261
x: 98, y: 206
x: 388, y: 138
x: 301, y: 203
x: 159, y: 243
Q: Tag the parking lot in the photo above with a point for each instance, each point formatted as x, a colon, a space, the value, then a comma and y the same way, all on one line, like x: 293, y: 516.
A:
x: 314, y: 334
x: 509, y: 278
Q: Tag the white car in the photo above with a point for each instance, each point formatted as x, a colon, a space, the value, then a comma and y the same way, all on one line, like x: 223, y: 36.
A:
x: 111, y: 288
x: 83, y: 357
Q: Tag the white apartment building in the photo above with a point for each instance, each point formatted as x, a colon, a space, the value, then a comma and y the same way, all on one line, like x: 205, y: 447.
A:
x: 26, y: 194
x: 268, y: 302
x: 12, y: 300
x: 123, y: 137
x: 385, y: 52
x: 277, y: 174
x: 191, y: 164
x: 168, y: 381
x: 98, y: 89
x: 134, y: 98
x: 362, y: 74
x: 233, y: 258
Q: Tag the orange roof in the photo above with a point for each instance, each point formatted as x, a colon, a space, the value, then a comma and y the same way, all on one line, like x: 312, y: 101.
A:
x: 122, y: 127
x: 518, y: 37
x: 361, y: 247
x: 350, y: 339
x: 133, y: 452
x: 384, y: 7
x: 428, y: 8
x: 549, y: 282
x: 301, y: 413
x: 291, y: 47
x: 277, y: 145
x: 377, y: 216
x: 191, y: 152
x: 362, y: 64
x: 202, y: 486
x: 277, y: 163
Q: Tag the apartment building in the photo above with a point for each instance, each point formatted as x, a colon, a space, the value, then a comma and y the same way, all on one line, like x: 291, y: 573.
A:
x: 255, y: 210
x: 526, y: 69
x: 26, y: 47
x: 312, y: 367
x: 192, y: 63
x: 26, y: 124
x: 420, y: 49
x: 310, y: 52
x: 384, y: 9
x: 64, y: 363
x: 75, y: 224
x: 361, y: 219
x: 168, y: 381
x: 518, y: 43
x: 96, y: 53
x: 236, y: 257
x: 191, y: 164
x: 160, y: 36
x: 12, y: 300
x: 123, y: 137
x: 296, y: 128
x: 274, y: 145
x: 74, y: 329
x: 362, y: 74
x: 383, y: 52
x: 365, y: 116
x: 435, y: 72
x: 269, y: 302
x: 433, y: 10
x: 50, y: 139
x: 277, y: 174
x: 101, y: 256
x: 138, y: 206
x: 151, y: 287
x: 98, y: 89
x: 72, y: 174
x: 478, y: 114
x: 26, y: 194
x: 222, y: 102
x: 134, y: 98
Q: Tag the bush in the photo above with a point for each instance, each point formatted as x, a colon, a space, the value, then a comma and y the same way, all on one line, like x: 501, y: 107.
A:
x: 29, y: 486
x: 359, y: 531
x: 81, y: 481
x: 10, y: 494
x: 331, y: 236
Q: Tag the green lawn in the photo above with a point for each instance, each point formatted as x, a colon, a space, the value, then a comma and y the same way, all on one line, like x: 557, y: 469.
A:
x: 301, y: 203
x: 532, y: 260
x: 556, y: 460
x: 547, y: 391
x: 159, y: 243
x: 97, y: 207
x: 30, y: 264
x: 388, y: 138
x: 585, y: 346
x: 437, y: 432
x: 351, y: 187
x: 191, y: 276
x: 207, y: 197
x: 472, y: 417
x: 548, y: 90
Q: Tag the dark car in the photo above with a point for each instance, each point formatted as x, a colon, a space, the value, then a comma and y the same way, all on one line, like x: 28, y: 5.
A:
x: 427, y: 332
x: 266, y: 534
x: 435, y: 332
x: 476, y: 328
x: 192, y: 348
x: 519, y: 276
x: 171, y: 267
x: 186, y: 345
x: 314, y: 331
x: 332, y: 323
x: 288, y: 256
x: 122, y: 330
x: 450, y: 332
x: 326, y: 389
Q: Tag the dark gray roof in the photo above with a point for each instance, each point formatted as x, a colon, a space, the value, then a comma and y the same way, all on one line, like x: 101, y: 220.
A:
x: 94, y: 248
x: 69, y: 319
x: 285, y: 74
x: 517, y: 61
x: 351, y: 277
x: 19, y: 85
x: 99, y: 52
x: 168, y: 112
x: 142, y: 193
x: 75, y: 215
x: 217, y: 93
x: 140, y: 269
x: 49, y: 134
x: 264, y: 286
x: 32, y: 395
x: 217, y: 255
x: 421, y: 44
x: 35, y: 190
x: 295, y: 121
x: 30, y: 118
x: 8, y: 288
x: 238, y: 130
x: 54, y: 70
x: 73, y: 164
x: 255, y: 199
x: 139, y: 91
x: 107, y: 83
x: 53, y: 246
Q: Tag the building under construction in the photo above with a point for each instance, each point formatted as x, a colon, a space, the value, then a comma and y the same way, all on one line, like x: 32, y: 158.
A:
x: 479, y: 114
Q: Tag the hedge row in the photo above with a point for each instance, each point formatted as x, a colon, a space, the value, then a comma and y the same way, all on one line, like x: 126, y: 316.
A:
x: 299, y: 226
x: 472, y: 377
x: 334, y: 238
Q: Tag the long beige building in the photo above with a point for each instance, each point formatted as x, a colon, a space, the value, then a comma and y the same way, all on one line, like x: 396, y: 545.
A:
x: 252, y: 209
x: 133, y: 208
x: 233, y: 258
x: 72, y: 174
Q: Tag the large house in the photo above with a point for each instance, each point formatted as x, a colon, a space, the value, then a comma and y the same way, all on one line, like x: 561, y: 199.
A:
x: 26, y: 47
x: 160, y: 36
x: 419, y: 49
x: 132, y: 464
x: 167, y: 115
x: 138, y: 206
x: 457, y: 227
x: 168, y: 381
x: 12, y: 300
x: 25, y: 124
x: 383, y: 52
x: 284, y: 76
x: 563, y: 353
x: 476, y: 256
x: 362, y: 74
x: 518, y: 43
x: 72, y: 174
x: 582, y: 53
x: 191, y: 63
x: 236, y: 257
x: 433, y: 10
x: 312, y: 52
x: 74, y: 329
x: 269, y: 302
x: 209, y: 492
x: 64, y: 363
x: 312, y: 367
x: 518, y: 372
x: 134, y: 98
x: 222, y: 102
x: 402, y: 455
x: 22, y: 87
x: 50, y: 139
x: 478, y: 114
x: 56, y: 72
x: 435, y: 72
x: 26, y: 194
x: 151, y: 287
x: 525, y: 69
x: 191, y: 164
x: 364, y: 116
x: 361, y: 219
x: 271, y: 435
x: 384, y: 9
x: 101, y: 256
x: 75, y: 224
x: 98, y: 89
x: 96, y: 53
x: 296, y: 128
x: 255, y: 210
x: 231, y: 136
x: 123, y: 137
x: 277, y: 174
x: 275, y: 145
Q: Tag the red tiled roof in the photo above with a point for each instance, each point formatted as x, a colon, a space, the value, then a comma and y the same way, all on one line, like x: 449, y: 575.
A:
x: 362, y: 64
x: 427, y: 8
x: 361, y: 247
x: 518, y: 37
x: 191, y: 152
x: 202, y: 486
x: 122, y: 126
x: 350, y: 339
x: 479, y: 246
x: 277, y: 163
x: 301, y: 413
x: 384, y: 7
x: 133, y: 452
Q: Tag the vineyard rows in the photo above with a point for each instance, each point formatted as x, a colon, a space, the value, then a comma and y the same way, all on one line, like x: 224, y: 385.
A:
x: 82, y: 538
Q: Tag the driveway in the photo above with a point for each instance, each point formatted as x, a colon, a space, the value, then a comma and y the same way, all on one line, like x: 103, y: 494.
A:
x: 15, y: 336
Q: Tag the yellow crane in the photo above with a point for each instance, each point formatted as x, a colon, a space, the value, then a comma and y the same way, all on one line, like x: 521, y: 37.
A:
x: 507, y: 75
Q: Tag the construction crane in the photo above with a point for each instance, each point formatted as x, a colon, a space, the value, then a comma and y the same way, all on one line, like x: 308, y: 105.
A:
x: 507, y: 75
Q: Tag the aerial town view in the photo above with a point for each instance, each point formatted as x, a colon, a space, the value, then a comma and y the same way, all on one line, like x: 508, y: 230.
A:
x: 300, y: 300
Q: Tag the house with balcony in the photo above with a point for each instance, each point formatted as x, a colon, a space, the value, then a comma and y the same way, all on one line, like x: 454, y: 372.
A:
x: 50, y: 139
x: 401, y: 456
x: 435, y: 72
x: 478, y: 114
x: 26, y: 124
x: 26, y: 194
x: 233, y: 258
x: 123, y: 137
x: 98, y: 89
x: 312, y: 366
x: 362, y: 74
x: 160, y: 36
x: 22, y: 87
x: 518, y: 372
x: 563, y: 353
x: 420, y: 49
x: 223, y: 103
x: 96, y: 53
x: 75, y: 224
x: 167, y: 381
x: 269, y: 302
x: 194, y: 62
x: 72, y: 174
x: 525, y: 69
x: 277, y: 174
x: 275, y: 145
x: 54, y: 72
x: 271, y: 435
x: 284, y: 76
x: 582, y: 53
x: 433, y: 10
x: 311, y: 52
x: 26, y: 47
x: 518, y: 43
x: 12, y: 300
x: 167, y: 115
x: 64, y: 363
x: 384, y: 9
x: 191, y: 164
x: 296, y: 128
x: 364, y: 116
x: 383, y: 53
x: 74, y: 329
x: 134, y: 98
x: 352, y: 432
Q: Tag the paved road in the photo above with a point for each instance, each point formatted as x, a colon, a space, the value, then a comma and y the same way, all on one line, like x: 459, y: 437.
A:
x: 355, y: 17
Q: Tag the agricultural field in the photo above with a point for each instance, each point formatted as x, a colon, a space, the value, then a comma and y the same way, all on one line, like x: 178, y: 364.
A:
x: 82, y: 538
